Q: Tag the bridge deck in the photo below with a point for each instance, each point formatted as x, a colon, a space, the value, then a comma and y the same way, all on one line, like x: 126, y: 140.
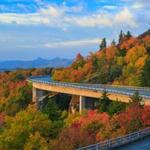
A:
x: 124, y: 90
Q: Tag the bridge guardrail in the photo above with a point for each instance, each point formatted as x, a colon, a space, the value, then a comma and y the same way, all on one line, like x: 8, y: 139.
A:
x: 116, y: 142
x: 97, y: 87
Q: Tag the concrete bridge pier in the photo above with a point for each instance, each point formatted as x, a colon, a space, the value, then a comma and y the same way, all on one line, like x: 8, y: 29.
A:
x: 86, y: 103
x: 82, y: 102
x: 37, y: 94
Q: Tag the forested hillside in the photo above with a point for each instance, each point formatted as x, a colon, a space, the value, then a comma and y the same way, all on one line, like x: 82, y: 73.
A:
x: 23, y: 126
x: 126, y: 62
x: 15, y: 92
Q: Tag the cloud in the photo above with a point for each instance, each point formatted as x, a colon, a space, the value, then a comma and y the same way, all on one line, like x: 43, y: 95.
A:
x: 23, y: 19
x: 125, y: 16
x: 62, y: 16
x: 110, y: 7
x: 90, y: 21
x: 52, y: 11
x: 137, y: 5
x: 143, y: 2
x: 72, y: 43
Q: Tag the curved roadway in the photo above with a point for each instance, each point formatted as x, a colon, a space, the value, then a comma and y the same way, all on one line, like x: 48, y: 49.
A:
x: 125, y: 90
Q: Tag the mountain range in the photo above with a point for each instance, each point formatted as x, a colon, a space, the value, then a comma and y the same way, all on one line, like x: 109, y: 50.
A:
x: 37, y: 63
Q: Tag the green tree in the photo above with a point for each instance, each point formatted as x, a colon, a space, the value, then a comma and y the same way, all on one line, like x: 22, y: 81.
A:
x: 101, y: 73
x: 121, y: 35
x: 36, y: 142
x: 128, y: 35
x: 56, y: 115
x: 103, y: 44
x: 52, y: 110
x: 17, y: 76
x: 122, y: 52
x: 113, y: 43
x: 62, y: 101
x: 145, y: 75
x: 116, y: 107
x: 115, y: 71
x: 56, y: 128
x: 18, y: 129
x: 136, y: 98
x: 148, y: 49
x: 17, y: 102
x: 104, y: 102
x: 25, y: 96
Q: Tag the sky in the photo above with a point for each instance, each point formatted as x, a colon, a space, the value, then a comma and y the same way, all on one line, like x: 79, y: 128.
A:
x: 63, y: 28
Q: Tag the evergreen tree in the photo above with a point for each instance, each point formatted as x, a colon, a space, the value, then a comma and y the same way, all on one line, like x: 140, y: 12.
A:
x: 116, y: 107
x: 148, y: 49
x: 52, y: 110
x: 104, y: 102
x: 136, y: 98
x: 113, y: 43
x: 145, y: 76
x: 121, y: 35
x: 103, y: 44
x: 128, y: 34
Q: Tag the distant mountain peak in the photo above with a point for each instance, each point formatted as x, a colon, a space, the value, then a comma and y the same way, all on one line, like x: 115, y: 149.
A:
x: 40, y: 58
x: 36, y: 63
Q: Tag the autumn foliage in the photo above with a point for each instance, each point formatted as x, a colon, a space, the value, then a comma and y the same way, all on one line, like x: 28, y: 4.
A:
x: 15, y: 91
x: 23, y: 126
x: 93, y: 127
x: 121, y: 63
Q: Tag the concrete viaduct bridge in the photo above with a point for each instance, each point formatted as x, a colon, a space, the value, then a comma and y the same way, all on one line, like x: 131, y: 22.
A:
x: 41, y: 84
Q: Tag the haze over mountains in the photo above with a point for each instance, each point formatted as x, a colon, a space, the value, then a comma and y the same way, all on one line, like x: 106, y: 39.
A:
x: 37, y: 63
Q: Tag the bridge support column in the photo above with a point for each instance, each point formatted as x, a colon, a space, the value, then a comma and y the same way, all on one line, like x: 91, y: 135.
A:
x: 34, y: 99
x: 36, y: 94
x: 81, y: 104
